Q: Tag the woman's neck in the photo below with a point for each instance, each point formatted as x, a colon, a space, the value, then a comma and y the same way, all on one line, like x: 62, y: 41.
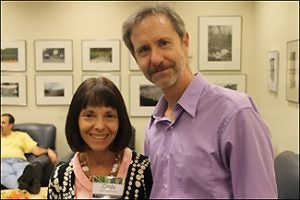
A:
x: 100, y: 164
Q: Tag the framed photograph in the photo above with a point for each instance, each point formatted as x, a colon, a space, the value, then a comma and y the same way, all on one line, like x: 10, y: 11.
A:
x: 132, y: 63
x: 273, y: 64
x: 101, y: 55
x: 144, y: 96
x: 234, y: 82
x: 54, y: 90
x: 13, y: 55
x: 219, y: 42
x: 53, y: 55
x: 115, y: 78
x: 292, y: 71
x: 13, y: 90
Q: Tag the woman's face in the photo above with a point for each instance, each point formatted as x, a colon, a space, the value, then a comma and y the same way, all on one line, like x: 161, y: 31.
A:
x: 98, y: 126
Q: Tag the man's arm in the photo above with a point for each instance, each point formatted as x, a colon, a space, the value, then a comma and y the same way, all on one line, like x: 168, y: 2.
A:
x: 40, y: 151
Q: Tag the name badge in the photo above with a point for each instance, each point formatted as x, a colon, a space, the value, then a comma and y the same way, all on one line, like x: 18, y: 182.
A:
x: 108, y: 187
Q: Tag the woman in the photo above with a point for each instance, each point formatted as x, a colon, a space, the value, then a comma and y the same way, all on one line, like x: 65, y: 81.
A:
x: 98, y: 130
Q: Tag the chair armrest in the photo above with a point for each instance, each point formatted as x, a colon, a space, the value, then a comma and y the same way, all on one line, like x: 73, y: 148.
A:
x: 43, y: 159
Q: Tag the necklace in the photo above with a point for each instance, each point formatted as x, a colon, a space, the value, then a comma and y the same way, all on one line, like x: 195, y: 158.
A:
x: 85, y: 168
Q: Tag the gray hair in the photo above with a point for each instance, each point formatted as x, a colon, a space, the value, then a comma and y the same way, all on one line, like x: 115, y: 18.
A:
x: 163, y: 9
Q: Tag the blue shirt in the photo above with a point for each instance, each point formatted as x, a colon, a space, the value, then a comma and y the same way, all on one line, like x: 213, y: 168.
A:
x: 217, y: 147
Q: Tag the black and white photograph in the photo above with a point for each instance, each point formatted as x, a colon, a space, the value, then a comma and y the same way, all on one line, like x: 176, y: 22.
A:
x: 219, y: 43
x: 149, y: 95
x: 54, y: 89
x: 101, y: 55
x: 54, y: 55
x: 273, y: 70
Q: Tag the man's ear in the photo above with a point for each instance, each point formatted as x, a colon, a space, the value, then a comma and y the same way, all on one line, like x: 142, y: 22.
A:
x: 186, y: 42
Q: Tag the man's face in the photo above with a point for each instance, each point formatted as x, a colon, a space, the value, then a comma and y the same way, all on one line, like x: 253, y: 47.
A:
x: 5, y: 125
x: 159, y: 52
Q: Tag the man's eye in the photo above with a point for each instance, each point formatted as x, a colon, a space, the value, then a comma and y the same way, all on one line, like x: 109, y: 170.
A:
x: 163, y: 43
x: 142, y: 50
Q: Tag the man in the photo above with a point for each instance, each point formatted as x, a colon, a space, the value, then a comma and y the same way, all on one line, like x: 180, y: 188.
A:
x: 16, y: 171
x: 204, y: 141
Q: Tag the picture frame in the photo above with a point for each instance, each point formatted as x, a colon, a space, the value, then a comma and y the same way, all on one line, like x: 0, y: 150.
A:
x: 143, y: 96
x: 292, y: 71
x: 231, y: 81
x: 13, y: 55
x: 53, y: 55
x: 115, y: 78
x: 219, y: 42
x: 100, y: 55
x: 13, y: 90
x: 273, y: 64
x: 54, y: 89
x: 132, y: 63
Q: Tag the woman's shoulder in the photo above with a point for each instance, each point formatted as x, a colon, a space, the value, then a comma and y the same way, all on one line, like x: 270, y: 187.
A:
x: 64, y: 167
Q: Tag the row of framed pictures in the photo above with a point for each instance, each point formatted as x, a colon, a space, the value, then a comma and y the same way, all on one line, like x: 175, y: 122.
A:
x: 56, y: 55
x: 58, y: 90
x: 219, y: 49
x: 292, y: 71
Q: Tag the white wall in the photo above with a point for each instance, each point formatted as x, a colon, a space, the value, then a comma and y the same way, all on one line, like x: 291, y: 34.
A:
x: 275, y: 24
x: 103, y: 20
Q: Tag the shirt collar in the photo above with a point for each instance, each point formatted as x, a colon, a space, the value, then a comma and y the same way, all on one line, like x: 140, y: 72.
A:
x: 188, y: 101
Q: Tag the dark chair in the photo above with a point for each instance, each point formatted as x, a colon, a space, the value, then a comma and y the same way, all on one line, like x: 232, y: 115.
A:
x: 287, y: 175
x: 45, y: 136
x: 71, y: 154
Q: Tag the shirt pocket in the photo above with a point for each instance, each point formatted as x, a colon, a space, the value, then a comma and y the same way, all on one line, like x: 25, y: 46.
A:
x: 193, y: 173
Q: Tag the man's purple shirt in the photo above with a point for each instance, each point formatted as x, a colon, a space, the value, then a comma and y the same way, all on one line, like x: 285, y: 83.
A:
x: 217, y: 147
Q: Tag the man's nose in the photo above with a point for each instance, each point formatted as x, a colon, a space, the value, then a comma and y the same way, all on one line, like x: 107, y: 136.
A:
x: 156, y: 57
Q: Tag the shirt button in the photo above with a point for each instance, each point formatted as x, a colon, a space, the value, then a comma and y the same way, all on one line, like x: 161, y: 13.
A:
x: 165, y: 187
x: 167, y: 157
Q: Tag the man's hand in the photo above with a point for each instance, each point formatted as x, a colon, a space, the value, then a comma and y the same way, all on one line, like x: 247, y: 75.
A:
x: 40, y: 151
x: 52, y: 155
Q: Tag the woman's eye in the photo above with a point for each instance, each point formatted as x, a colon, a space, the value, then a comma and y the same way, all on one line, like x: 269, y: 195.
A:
x: 110, y: 116
x: 88, y: 115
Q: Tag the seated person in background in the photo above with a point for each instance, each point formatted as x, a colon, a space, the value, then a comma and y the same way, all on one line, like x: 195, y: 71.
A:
x: 98, y: 129
x: 16, y: 171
